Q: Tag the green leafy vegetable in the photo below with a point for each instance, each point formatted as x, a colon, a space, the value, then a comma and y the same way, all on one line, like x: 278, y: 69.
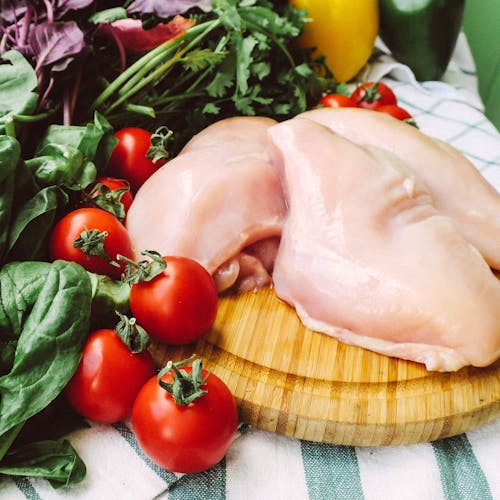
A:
x: 18, y: 81
x: 10, y: 152
x: 63, y: 165
x: 35, y: 192
x: 53, y: 460
x: 45, y: 316
x: 236, y: 60
x: 45, y: 309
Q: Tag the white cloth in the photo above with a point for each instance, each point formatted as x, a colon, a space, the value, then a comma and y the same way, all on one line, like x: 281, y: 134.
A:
x: 261, y: 465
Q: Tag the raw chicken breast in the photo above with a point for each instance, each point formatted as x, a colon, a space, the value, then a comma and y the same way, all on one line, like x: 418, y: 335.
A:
x: 365, y: 256
x: 457, y: 187
x: 218, y: 196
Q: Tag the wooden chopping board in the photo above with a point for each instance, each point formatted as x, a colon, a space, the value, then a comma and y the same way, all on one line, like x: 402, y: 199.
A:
x: 290, y: 380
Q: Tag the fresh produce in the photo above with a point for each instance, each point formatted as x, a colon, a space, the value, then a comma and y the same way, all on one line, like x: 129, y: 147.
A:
x: 371, y: 95
x: 36, y: 189
x: 397, y: 112
x: 376, y: 96
x: 336, y: 101
x: 344, y: 31
x: 173, y: 298
x: 421, y: 34
x: 110, y: 194
x: 45, y: 314
x: 114, y: 366
x: 185, y: 418
x: 236, y: 60
x: 92, y: 238
x: 135, y: 158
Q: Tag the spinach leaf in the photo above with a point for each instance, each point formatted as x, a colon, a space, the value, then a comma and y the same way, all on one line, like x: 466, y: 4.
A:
x: 10, y: 153
x: 46, y: 307
x: 62, y: 165
x: 95, y: 140
x: 32, y: 224
x: 53, y: 460
x: 108, y: 297
x: 17, y: 82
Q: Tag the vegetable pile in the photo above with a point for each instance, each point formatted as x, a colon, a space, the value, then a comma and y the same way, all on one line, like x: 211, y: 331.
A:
x: 72, y: 75
x: 156, y: 73
x: 207, y: 61
x: 376, y: 96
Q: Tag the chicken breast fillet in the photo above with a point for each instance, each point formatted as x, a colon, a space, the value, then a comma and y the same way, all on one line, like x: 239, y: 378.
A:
x: 217, y: 197
x: 366, y: 257
x: 457, y: 187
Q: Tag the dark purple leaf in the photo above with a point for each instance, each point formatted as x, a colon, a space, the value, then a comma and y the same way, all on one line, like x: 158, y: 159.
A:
x: 55, y: 43
x: 165, y: 9
x: 64, y: 6
x: 11, y: 11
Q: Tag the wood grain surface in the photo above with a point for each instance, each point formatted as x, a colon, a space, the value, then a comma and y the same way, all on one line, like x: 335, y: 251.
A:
x: 290, y: 380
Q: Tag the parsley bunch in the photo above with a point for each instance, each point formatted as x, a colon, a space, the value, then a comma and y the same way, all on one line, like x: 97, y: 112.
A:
x: 238, y: 59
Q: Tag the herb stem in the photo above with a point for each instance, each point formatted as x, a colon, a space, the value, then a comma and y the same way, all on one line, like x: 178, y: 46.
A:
x: 146, y: 68
x: 145, y: 59
x: 163, y: 70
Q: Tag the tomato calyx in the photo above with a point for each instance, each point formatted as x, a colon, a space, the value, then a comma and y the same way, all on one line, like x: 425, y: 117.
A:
x: 107, y: 199
x: 91, y: 242
x: 159, y: 141
x: 144, y: 270
x: 186, y: 386
x: 370, y: 94
x: 132, y: 334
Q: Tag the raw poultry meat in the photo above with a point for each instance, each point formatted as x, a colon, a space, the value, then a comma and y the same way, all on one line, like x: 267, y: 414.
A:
x: 457, y: 187
x: 219, y: 196
x: 366, y: 257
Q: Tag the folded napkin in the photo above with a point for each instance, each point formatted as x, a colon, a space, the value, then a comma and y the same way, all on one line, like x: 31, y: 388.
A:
x: 265, y: 466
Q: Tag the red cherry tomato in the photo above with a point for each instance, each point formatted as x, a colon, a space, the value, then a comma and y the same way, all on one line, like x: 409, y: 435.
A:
x: 396, y: 112
x: 370, y: 95
x: 108, y: 378
x: 336, y: 101
x: 84, y: 220
x: 129, y: 161
x: 177, y: 306
x: 188, y: 438
x: 113, y: 184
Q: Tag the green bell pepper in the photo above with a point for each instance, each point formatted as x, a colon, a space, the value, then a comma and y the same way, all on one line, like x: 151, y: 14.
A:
x: 421, y: 33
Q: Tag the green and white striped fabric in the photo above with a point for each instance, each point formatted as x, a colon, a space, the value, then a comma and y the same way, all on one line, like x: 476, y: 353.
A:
x: 266, y: 466
x: 261, y: 465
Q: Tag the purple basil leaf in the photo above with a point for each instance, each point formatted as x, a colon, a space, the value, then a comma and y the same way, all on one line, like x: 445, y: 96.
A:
x: 64, y: 6
x: 11, y: 11
x: 55, y: 42
x: 165, y: 9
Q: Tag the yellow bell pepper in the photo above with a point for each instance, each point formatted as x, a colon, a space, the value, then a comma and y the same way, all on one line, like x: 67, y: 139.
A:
x: 344, y: 31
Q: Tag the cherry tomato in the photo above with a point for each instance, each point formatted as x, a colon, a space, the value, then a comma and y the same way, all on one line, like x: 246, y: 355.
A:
x: 178, y: 305
x: 336, y: 101
x: 108, y: 378
x: 105, y: 226
x: 370, y: 95
x: 396, y: 112
x: 129, y: 157
x: 113, y: 184
x: 188, y: 438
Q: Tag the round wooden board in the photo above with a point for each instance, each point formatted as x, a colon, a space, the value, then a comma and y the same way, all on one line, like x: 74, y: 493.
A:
x: 290, y: 380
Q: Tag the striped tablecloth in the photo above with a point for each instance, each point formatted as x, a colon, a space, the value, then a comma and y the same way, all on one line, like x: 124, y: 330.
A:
x: 261, y: 465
